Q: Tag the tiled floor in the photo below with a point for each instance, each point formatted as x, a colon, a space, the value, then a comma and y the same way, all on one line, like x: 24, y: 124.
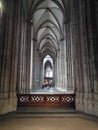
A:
x: 24, y: 121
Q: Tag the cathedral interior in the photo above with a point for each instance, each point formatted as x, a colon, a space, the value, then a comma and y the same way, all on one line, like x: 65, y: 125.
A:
x: 49, y: 51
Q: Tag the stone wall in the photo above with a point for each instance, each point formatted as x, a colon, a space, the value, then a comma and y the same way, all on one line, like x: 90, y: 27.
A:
x: 10, y: 36
x: 84, y: 33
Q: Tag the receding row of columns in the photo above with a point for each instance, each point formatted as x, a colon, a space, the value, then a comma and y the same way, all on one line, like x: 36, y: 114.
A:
x: 76, y: 63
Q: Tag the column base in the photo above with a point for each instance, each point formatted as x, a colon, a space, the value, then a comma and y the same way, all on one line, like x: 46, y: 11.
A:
x: 85, y: 103
x: 8, y: 105
x: 96, y: 108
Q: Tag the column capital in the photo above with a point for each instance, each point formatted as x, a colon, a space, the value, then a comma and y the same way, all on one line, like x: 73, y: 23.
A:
x: 62, y: 39
x: 34, y: 39
x: 29, y: 21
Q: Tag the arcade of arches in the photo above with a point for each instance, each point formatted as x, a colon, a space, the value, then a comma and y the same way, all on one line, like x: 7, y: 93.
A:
x: 49, y: 43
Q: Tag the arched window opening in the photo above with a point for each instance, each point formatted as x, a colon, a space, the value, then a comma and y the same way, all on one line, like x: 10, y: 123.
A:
x: 48, y: 71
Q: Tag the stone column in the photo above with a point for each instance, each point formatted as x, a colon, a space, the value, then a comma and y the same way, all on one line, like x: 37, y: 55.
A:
x: 76, y: 49
x: 31, y: 61
x: 39, y: 71
x: 9, y: 64
x: 91, y: 12
x: 25, y: 56
x: 65, y: 49
x: 88, y: 107
x: 28, y: 54
x: 37, y: 66
x: 95, y: 35
x: 83, y: 52
x: 69, y: 60
x: 58, y: 68
x: 55, y: 73
x: 2, y: 38
x: 63, y: 65
x: 62, y: 70
x: 42, y: 74
x: 21, y: 81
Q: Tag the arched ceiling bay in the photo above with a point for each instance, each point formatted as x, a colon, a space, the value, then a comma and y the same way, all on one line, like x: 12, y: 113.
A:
x: 48, y: 18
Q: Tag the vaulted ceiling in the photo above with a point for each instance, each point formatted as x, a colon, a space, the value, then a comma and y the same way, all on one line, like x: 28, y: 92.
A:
x: 48, y: 17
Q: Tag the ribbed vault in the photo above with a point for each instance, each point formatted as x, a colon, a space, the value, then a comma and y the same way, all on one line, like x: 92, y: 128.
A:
x: 47, y: 20
x: 47, y: 17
